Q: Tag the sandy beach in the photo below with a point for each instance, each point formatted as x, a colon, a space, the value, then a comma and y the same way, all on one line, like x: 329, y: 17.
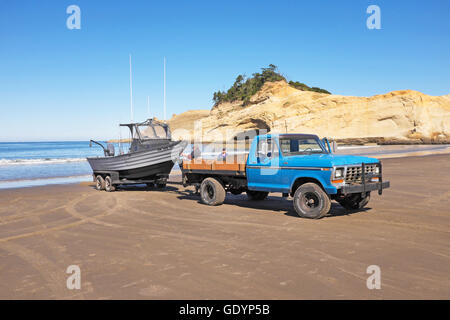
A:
x: 149, y: 244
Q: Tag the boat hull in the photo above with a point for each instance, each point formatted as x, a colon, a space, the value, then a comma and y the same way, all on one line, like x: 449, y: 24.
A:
x: 150, y: 172
x: 145, y: 164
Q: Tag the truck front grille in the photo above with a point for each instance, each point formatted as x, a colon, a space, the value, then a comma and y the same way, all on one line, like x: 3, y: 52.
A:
x: 353, y: 174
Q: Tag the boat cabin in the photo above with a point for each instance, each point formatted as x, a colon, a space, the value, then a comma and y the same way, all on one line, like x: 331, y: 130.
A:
x: 148, y: 135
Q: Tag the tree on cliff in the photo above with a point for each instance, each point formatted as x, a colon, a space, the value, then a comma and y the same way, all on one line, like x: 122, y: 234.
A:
x: 304, y: 87
x: 243, y: 89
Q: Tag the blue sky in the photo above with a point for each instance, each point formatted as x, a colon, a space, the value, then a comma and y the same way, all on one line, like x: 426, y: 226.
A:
x: 58, y: 84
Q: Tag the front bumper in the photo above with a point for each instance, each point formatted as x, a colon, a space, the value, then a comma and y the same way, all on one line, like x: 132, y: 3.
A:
x: 366, y: 187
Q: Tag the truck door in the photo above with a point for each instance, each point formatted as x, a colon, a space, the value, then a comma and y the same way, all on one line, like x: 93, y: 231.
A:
x: 263, y: 171
x: 298, y: 158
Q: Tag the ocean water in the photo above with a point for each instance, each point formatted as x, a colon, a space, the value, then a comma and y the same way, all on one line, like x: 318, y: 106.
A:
x: 25, y: 164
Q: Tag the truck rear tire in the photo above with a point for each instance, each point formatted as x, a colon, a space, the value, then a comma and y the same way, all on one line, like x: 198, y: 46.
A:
x: 310, y: 201
x: 354, y: 201
x: 257, y: 195
x: 99, y: 183
x: 109, y: 187
x: 212, y: 192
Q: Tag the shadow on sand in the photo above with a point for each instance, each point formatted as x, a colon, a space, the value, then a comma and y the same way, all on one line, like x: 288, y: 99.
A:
x: 277, y: 204
x: 140, y: 188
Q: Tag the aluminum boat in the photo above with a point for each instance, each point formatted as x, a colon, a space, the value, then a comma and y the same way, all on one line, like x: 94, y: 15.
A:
x: 151, y: 157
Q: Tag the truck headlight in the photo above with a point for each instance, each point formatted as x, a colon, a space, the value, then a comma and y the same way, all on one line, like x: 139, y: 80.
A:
x: 377, y: 170
x: 339, y: 172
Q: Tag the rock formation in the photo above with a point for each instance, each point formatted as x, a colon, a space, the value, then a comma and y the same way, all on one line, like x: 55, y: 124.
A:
x: 405, y: 116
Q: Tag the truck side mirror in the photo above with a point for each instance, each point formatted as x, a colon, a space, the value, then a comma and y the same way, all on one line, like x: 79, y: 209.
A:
x: 330, y: 146
x: 334, y: 146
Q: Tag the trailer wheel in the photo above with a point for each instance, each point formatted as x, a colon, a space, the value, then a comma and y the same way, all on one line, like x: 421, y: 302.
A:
x: 257, y: 195
x: 310, y: 201
x: 99, y: 183
x: 354, y: 201
x: 212, y: 192
x: 109, y: 187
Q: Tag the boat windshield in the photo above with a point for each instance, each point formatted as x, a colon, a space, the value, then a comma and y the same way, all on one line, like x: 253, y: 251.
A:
x: 152, y: 132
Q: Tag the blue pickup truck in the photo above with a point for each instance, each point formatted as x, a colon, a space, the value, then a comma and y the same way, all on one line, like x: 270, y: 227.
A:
x: 298, y: 165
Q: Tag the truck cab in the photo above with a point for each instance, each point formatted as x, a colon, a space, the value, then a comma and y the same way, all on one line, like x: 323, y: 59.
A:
x: 300, y: 165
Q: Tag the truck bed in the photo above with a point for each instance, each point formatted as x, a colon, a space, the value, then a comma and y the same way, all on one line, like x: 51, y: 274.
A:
x: 233, y: 165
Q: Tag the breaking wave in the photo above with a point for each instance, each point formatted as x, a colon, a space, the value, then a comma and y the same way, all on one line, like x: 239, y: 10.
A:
x: 11, y: 162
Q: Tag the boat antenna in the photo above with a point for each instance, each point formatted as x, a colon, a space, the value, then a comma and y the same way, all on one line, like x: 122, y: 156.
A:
x: 164, y: 88
x: 131, y: 92
x: 148, y: 107
x: 120, y: 141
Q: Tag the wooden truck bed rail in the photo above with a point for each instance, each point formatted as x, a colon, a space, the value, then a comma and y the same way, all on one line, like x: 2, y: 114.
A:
x: 233, y: 165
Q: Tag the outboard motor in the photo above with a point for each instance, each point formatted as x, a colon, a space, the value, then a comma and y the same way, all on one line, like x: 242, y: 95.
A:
x: 110, y: 150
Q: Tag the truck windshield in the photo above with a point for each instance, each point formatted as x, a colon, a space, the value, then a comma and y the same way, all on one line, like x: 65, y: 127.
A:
x: 296, y: 146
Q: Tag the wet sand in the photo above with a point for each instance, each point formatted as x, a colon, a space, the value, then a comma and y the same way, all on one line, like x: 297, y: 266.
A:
x: 150, y: 244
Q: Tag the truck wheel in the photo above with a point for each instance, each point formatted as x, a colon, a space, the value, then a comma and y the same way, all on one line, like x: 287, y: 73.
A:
x: 354, y: 201
x: 257, y: 195
x: 109, y: 187
x: 310, y: 201
x: 212, y: 192
x: 160, y: 185
x: 99, y: 182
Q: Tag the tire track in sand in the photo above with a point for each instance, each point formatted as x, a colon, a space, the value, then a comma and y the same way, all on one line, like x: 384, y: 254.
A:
x: 70, y: 208
x: 54, y: 276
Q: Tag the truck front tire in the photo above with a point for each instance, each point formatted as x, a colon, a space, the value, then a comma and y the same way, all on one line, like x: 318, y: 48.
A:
x: 212, y: 192
x: 310, y: 201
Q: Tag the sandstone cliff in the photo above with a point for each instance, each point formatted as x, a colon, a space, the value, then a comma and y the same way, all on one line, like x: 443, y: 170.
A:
x: 397, y: 117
